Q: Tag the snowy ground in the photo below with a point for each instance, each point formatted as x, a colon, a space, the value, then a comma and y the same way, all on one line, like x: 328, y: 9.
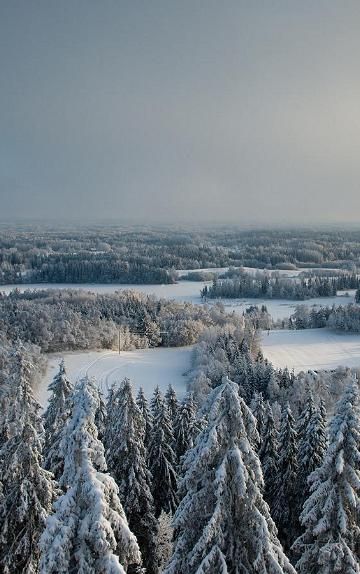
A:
x: 311, y: 349
x: 189, y: 291
x: 144, y: 367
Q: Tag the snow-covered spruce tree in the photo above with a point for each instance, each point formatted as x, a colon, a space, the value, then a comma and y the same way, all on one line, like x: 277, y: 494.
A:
x: 284, y: 509
x: 127, y: 463
x: 55, y: 418
x: 142, y: 403
x: 268, y: 454
x: 164, y: 539
x: 312, y: 446
x: 101, y: 416
x: 331, y: 541
x: 157, y: 401
x: 172, y: 403
x: 88, y: 532
x: 258, y: 410
x: 223, y: 523
x: 186, y: 427
x: 27, y: 490
x: 162, y: 459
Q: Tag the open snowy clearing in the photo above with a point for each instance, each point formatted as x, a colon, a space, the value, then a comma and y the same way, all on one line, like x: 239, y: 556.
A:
x: 311, y: 349
x: 144, y: 367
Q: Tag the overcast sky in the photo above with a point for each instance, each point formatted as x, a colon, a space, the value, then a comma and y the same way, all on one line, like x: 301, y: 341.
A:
x: 180, y: 110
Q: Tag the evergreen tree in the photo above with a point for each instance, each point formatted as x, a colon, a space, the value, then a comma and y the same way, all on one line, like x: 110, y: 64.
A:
x: 312, y: 447
x: 269, y: 454
x: 88, y: 532
x: 27, y: 490
x: 142, y: 403
x: 171, y: 403
x: 223, y: 523
x: 55, y: 417
x: 162, y: 459
x: 186, y: 426
x: 258, y: 409
x: 101, y: 417
x: 127, y: 463
x: 284, y: 509
x: 331, y: 542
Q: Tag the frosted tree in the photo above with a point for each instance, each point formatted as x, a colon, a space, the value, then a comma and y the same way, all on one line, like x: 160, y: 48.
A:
x: 269, y: 453
x: 157, y: 401
x: 331, y: 541
x: 312, y: 447
x: 258, y: 409
x: 27, y: 490
x: 164, y: 539
x: 55, y: 418
x: 171, y: 403
x: 186, y: 427
x: 88, y: 531
x: 127, y: 464
x: 101, y: 416
x: 162, y: 459
x: 223, y: 523
x: 284, y: 509
x: 142, y: 403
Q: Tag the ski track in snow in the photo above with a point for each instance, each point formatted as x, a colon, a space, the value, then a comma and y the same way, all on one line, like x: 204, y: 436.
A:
x: 144, y: 367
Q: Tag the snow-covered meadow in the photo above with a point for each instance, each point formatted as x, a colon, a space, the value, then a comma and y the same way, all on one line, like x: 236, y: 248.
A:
x: 144, y: 367
x: 311, y: 349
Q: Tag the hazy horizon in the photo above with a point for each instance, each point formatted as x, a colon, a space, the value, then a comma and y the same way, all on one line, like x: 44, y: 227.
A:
x: 182, y: 112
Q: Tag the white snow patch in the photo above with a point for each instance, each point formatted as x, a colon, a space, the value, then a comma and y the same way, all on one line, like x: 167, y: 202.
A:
x: 144, y: 367
x: 313, y: 349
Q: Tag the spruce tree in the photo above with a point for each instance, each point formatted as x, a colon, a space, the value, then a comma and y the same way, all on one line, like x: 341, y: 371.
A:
x: 269, y: 454
x: 126, y: 457
x: 27, y: 490
x: 331, y: 541
x: 284, y: 508
x: 258, y: 409
x: 162, y: 459
x: 142, y: 403
x: 88, y: 531
x: 186, y: 427
x: 172, y: 403
x: 223, y: 523
x: 55, y: 418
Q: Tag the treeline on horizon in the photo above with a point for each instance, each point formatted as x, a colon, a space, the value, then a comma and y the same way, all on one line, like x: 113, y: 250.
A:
x: 152, y: 255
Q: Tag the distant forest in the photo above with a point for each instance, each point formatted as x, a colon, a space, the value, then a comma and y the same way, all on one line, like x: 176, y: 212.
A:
x: 136, y: 255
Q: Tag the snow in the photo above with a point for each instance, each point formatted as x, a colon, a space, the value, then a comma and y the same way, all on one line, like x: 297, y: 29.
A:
x: 313, y: 349
x: 144, y: 367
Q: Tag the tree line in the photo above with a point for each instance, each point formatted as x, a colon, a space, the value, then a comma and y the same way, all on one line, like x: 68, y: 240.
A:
x: 262, y: 285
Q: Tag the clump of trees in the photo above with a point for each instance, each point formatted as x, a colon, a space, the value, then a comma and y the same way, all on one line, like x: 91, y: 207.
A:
x: 263, y: 285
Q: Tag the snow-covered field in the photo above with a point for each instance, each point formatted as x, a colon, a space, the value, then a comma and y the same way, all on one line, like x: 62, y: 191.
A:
x: 311, y: 349
x: 144, y: 367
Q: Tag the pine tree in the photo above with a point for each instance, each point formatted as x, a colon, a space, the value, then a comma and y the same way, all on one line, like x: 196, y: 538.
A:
x: 27, y: 490
x: 284, y: 509
x: 126, y: 457
x: 186, y: 427
x: 55, y: 418
x: 88, y: 531
x: 223, y: 523
x: 162, y: 459
x: 269, y: 454
x: 142, y: 403
x: 101, y: 417
x: 331, y: 542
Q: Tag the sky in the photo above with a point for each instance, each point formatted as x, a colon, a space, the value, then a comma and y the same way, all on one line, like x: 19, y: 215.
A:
x: 180, y: 110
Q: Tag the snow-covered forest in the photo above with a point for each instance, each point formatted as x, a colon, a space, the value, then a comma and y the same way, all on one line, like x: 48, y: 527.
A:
x: 254, y: 470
